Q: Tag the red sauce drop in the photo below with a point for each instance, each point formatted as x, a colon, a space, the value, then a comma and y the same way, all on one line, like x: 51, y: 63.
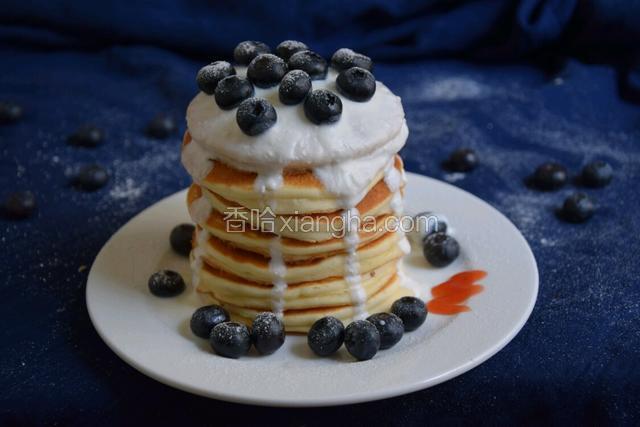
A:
x: 449, y: 296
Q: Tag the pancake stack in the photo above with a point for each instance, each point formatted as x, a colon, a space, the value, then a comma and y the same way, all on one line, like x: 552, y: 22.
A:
x: 299, y: 220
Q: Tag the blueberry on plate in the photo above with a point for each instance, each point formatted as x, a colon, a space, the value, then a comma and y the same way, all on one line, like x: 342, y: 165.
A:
x: 597, y: 174
x: 288, y: 47
x: 267, y: 333
x: 245, y: 51
x: 19, y: 205
x: 209, y: 75
x: 230, y: 339
x: 9, y: 113
x: 206, y: 318
x: 322, y: 107
x: 362, y: 339
x: 161, y: 126
x: 255, y: 115
x: 231, y: 91
x: 166, y: 283
x: 180, y: 238
x: 390, y: 328
x: 266, y: 70
x: 411, y: 310
x: 440, y: 249
x: 549, y: 176
x: 309, y: 62
x: 88, y: 136
x: 326, y: 336
x: 91, y: 178
x: 344, y: 58
x: 462, y: 160
x: 357, y: 84
x: 577, y: 208
x: 294, y: 87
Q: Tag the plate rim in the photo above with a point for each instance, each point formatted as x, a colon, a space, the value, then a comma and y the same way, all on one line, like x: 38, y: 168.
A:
x: 365, y: 396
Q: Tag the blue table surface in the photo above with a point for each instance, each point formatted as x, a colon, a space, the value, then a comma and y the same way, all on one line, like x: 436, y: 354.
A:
x: 576, y: 360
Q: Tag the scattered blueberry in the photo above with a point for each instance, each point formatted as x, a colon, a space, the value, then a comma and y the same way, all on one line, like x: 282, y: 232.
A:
x: 9, y: 113
x: 362, y: 340
x: 19, y: 205
x: 326, y: 336
x: 411, y: 310
x: 440, y: 249
x: 161, y: 126
x: 344, y: 58
x: 255, y: 115
x: 462, y: 160
x: 91, y: 178
x: 597, y: 174
x: 230, y: 339
x: 231, y: 91
x: 87, y: 136
x: 288, y: 47
x: 266, y: 70
x: 356, y: 84
x: 267, y: 333
x: 577, y: 208
x: 166, y: 283
x: 209, y: 75
x: 549, y: 176
x: 322, y: 106
x: 309, y: 62
x: 390, y: 328
x: 294, y: 87
x: 245, y: 51
x: 180, y: 238
x: 206, y: 318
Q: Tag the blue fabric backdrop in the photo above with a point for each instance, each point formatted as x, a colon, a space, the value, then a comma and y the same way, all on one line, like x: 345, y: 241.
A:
x: 118, y: 64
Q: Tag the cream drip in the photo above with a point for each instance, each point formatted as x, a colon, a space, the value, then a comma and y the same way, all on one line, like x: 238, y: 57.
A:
x: 352, y: 265
x: 196, y: 161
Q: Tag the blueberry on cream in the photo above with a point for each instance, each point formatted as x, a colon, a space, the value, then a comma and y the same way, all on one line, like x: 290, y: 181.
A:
x: 245, y: 51
x: 231, y: 91
x: 344, y: 59
x: 266, y: 70
x: 322, y: 107
x: 309, y: 62
x: 288, y: 47
x: 209, y: 75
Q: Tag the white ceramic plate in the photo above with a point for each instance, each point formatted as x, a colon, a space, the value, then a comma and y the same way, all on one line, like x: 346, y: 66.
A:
x: 152, y: 334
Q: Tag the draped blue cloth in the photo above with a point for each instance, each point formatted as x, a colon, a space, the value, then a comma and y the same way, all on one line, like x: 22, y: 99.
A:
x: 521, y: 82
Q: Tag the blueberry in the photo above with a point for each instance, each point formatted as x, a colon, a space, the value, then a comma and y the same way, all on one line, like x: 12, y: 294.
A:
x: 230, y: 339
x: 322, y: 106
x: 180, y: 238
x: 362, y: 339
x: 166, y: 283
x: 288, y: 47
x: 9, y: 113
x: 294, y: 87
x: 326, y: 336
x: 597, y: 174
x: 267, y: 333
x: 462, y: 160
x: 344, y: 58
x: 19, y: 205
x: 87, y: 136
x: 426, y: 223
x: 411, y: 310
x: 390, y: 328
x: 309, y: 62
x: 549, y: 176
x: 577, y: 208
x: 357, y: 84
x: 255, y: 115
x: 91, y: 178
x: 266, y: 70
x: 245, y: 51
x: 440, y: 249
x: 206, y: 318
x: 209, y: 75
x: 231, y: 91
x: 161, y: 126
